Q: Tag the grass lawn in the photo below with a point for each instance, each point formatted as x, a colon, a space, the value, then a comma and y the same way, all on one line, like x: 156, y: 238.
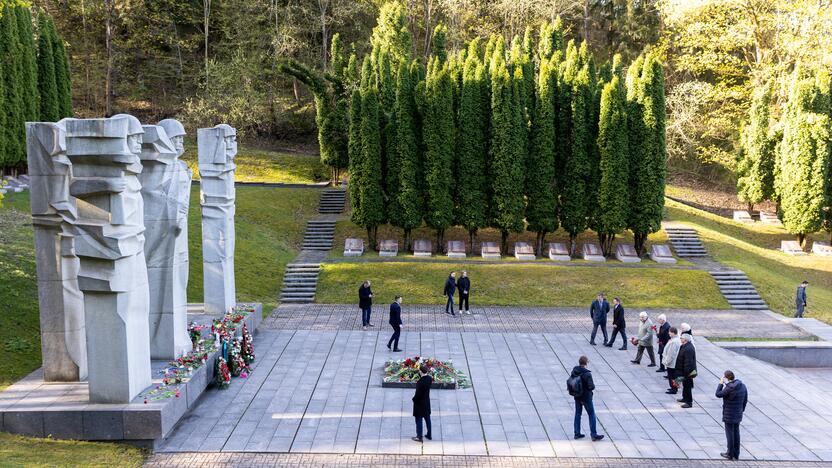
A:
x: 32, y: 452
x: 524, y: 285
x: 258, y: 165
x: 751, y: 248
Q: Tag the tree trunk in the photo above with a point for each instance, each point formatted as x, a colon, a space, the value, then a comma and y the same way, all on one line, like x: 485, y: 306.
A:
x: 541, y: 239
x: 801, y: 239
x: 206, y: 14
x: 296, y: 90
x: 750, y: 207
x: 638, y: 242
x: 108, y: 45
x: 573, y: 243
x: 440, y: 241
x: 407, y: 240
x: 504, y: 242
x: 323, y: 6
x: 586, y: 21
x: 472, y: 236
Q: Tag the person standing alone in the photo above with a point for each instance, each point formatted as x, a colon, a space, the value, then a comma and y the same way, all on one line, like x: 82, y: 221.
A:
x: 580, y: 386
x: 396, y: 323
x: 800, y: 299
x: 734, y: 396
x: 463, y: 284
x: 365, y: 303
x: 450, y: 289
x: 618, y: 324
x: 421, y: 403
x: 598, y: 312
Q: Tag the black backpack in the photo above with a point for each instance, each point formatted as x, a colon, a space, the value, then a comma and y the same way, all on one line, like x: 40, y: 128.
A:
x: 575, y: 385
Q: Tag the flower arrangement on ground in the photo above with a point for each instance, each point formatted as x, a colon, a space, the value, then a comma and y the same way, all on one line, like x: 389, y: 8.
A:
x: 236, y: 364
x: 222, y: 376
x: 247, y: 346
x: 407, y: 371
x: 195, y: 332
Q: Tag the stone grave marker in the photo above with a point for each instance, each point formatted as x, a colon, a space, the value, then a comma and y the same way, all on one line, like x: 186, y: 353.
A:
x: 456, y: 249
x: 661, y: 253
x: 559, y: 252
x: 592, y: 252
x: 490, y: 250
x: 422, y: 248
x: 743, y: 216
x: 388, y: 248
x: 524, y: 251
x: 353, y: 247
x: 626, y: 253
x: 791, y: 247
x: 822, y: 248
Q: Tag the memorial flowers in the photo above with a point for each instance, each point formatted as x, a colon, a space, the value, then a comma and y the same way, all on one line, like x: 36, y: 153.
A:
x: 407, y: 371
x: 222, y: 376
x: 195, y: 332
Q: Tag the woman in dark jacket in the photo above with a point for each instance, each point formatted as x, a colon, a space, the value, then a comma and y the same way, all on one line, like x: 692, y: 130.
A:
x: 618, y: 324
x: 365, y: 303
x: 421, y: 403
x: 686, y: 368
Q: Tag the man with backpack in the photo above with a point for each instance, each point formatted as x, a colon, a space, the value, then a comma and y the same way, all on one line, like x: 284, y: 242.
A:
x: 580, y: 386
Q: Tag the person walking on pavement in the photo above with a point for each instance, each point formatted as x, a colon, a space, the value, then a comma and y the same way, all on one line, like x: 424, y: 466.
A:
x: 734, y: 396
x: 671, y: 352
x: 598, y: 313
x: 618, y: 325
x: 800, y: 299
x: 396, y: 323
x: 421, y: 403
x: 450, y: 289
x: 463, y: 284
x: 662, y: 336
x: 686, y: 367
x: 365, y: 303
x: 580, y: 386
x: 646, y: 329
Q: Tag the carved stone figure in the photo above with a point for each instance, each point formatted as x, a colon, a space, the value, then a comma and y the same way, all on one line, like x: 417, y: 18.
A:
x: 217, y: 147
x: 63, y: 344
x: 165, y: 222
x: 110, y: 243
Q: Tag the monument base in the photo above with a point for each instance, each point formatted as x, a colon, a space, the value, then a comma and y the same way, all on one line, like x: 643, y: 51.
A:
x: 36, y: 408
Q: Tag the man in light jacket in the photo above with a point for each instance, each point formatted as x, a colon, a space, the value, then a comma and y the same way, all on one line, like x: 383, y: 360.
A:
x: 671, y: 351
x: 646, y: 330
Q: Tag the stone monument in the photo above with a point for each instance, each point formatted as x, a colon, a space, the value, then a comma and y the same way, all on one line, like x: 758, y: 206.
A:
x: 217, y: 147
x: 63, y: 344
x: 166, y: 235
x: 109, y: 240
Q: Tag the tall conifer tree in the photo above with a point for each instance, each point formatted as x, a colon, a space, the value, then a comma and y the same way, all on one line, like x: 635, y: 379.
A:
x: 47, y: 87
x: 410, y: 197
x: 62, y: 73
x: 439, y: 136
x: 613, y: 192
x: 370, y: 189
x: 31, y: 105
x: 12, y: 63
x: 756, y: 165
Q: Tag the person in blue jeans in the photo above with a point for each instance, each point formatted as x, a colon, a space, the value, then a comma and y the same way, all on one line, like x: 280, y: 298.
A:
x: 450, y: 289
x: 584, y: 400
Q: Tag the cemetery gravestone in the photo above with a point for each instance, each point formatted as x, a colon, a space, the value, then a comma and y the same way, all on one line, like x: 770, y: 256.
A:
x: 660, y: 253
x: 490, y: 250
x: 770, y: 219
x: 63, y: 340
x: 388, y: 248
x: 422, y: 248
x: 217, y: 147
x: 353, y: 247
x: 559, y: 252
x: 523, y: 251
x: 592, y: 252
x: 822, y: 248
x: 791, y: 247
x: 166, y: 219
x: 109, y: 240
x: 743, y: 217
x: 456, y: 249
x: 627, y: 253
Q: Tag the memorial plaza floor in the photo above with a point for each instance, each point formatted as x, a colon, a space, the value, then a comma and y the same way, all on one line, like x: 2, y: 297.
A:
x: 315, y: 396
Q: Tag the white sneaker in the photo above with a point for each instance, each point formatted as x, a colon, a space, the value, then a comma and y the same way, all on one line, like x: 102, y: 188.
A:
x: 468, y: 312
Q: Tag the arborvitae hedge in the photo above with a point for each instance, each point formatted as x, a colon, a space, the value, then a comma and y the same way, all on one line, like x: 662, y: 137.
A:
x: 31, y: 104
x: 439, y: 138
x: 14, y: 108
x: 62, y: 74
x: 755, y: 167
x: 370, y: 189
x: 613, y: 191
x: 47, y: 87
x: 409, y: 197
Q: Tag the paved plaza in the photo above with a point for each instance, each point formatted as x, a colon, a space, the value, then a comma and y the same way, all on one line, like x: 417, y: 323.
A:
x: 319, y: 391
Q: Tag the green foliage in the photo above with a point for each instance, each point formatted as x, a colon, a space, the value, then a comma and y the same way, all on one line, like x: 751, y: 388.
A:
x: 551, y: 38
x: 805, y: 155
x: 613, y: 192
x: 409, y: 196
x: 439, y: 138
x: 370, y: 183
x: 755, y: 169
x: 541, y: 208
x: 392, y: 34
x: 573, y: 191
x: 474, y: 108
x: 31, y: 99
x: 439, y: 43
x: 356, y: 156
x: 14, y: 106
x: 62, y: 75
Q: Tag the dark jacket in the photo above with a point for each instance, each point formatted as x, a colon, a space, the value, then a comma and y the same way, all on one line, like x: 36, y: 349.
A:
x: 586, y: 379
x: 450, y: 287
x: 734, y: 398
x: 464, y: 285
x: 800, y: 297
x: 364, y: 299
x: 395, y: 314
x: 664, y: 334
x: 618, y: 317
x: 421, y: 400
x: 686, y: 360
x: 598, y: 311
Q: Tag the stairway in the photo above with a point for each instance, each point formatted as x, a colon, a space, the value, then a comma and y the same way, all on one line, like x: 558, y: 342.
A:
x: 299, y: 282
x: 319, y: 234
x: 738, y: 290
x: 685, y: 241
x: 332, y: 201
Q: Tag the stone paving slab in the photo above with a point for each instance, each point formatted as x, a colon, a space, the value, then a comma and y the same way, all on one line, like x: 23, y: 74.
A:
x: 319, y: 391
x: 495, y: 319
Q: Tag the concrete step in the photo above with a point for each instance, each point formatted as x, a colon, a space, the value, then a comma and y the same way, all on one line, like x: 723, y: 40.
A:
x: 313, y: 268
x: 736, y: 302
x: 738, y: 297
x: 752, y: 307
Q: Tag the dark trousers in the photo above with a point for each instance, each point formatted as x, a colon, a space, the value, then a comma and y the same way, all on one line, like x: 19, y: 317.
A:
x: 732, y: 434
x: 615, y: 332
x: 397, y: 330
x: 463, y: 299
x: 661, y: 355
x: 671, y: 376
x: 649, y: 353
x: 450, y: 304
x: 590, y: 411
x: 595, y: 326
x: 687, y: 390
x: 365, y: 315
x: 419, y: 426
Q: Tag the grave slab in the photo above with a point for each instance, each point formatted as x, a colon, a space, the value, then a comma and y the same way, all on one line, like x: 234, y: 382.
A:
x: 592, y: 253
x: 456, y: 249
x: 490, y: 250
x: 660, y: 253
x: 524, y: 251
x: 388, y: 248
x: 559, y: 252
x: 627, y: 253
x: 422, y: 248
x: 353, y: 247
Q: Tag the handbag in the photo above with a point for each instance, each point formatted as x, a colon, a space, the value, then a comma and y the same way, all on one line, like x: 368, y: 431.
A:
x: 693, y: 374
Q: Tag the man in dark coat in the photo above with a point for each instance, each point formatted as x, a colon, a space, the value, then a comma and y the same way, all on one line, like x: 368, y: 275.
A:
x: 734, y: 396
x: 618, y: 324
x: 365, y: 303
x: 800, y: 299
x: 421, y: 403
x: 663, y: 336
x: 396, y: 323
x: 450, y: 289
x: 598, y: 312
x: 463, y: 284
x: 584, y: 400
x: 686, y: 368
